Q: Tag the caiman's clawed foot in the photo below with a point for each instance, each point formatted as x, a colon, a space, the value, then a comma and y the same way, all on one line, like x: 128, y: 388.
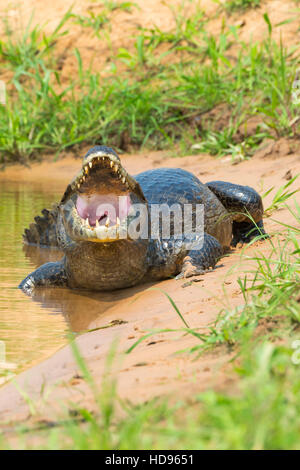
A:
x: 200, y: 260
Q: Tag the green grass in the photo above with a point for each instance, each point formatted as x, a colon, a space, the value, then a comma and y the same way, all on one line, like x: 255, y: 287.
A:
x: 92, y: 20
x: 97, y: 21
x: 112, y: 5
x: 261, y: 413
x: 280, y: 197
x: 240, y: 5
x: 163, y: 99
x: 23, y: 51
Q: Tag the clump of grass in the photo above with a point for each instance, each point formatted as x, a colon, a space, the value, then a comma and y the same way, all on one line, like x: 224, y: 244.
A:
x: 240, y: 5
x: 23, y: 51
x: 112, y: 5
x: 280, y: 197
x: 94, y: 21
x: 224, y: 142
x: 185, y: 35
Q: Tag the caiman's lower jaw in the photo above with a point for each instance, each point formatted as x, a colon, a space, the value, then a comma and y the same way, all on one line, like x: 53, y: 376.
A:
x: 100, y: 201
x: 103, y: 217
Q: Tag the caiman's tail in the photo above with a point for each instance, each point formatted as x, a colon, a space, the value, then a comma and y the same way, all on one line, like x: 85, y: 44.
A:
x: 43, y: 231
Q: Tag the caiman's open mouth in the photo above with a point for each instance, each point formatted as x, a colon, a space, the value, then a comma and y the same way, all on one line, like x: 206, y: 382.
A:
x: 99, y: 209
x: 99, y: 201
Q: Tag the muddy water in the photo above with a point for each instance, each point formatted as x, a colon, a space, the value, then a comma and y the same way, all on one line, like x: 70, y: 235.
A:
x: 33, y: 328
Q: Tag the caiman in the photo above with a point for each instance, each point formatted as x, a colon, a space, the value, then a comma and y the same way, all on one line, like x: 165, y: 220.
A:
x: 101, y: 253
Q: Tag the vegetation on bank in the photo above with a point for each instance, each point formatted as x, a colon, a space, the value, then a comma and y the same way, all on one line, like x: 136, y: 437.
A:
x: 239, y: 5
x: 186, y: 89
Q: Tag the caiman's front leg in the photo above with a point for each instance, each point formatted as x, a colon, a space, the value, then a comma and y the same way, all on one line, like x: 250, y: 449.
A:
x: 186, y: 257
x: 199, y: 259
x: 48, y: 275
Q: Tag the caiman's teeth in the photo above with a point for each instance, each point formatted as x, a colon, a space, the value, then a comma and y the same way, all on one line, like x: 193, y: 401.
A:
x: 118, y: 221
x: 107, y: 222
x: 116, y: 167
x: 111, y: 164
x: 123, y: 179
x: 87, y: 222
x: 90, y: 164
x: 78, y: 185
x: 86, y: 169
x: 97, y: 223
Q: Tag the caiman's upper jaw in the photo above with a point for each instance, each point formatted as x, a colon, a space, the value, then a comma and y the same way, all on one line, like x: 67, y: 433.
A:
x: 98, y: 202
x: 95, y: 165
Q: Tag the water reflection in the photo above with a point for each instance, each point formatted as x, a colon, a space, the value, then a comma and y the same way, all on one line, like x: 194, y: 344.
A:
x: 28, y: 332
x: 82, y: 309
x: 34, y: 328
x: 38, y: 256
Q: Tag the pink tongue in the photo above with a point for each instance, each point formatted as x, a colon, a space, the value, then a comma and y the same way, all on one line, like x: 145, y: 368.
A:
x: 99, y: 207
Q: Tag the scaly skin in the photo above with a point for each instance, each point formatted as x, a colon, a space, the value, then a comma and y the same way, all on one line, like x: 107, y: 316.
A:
x: 96, y: 254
